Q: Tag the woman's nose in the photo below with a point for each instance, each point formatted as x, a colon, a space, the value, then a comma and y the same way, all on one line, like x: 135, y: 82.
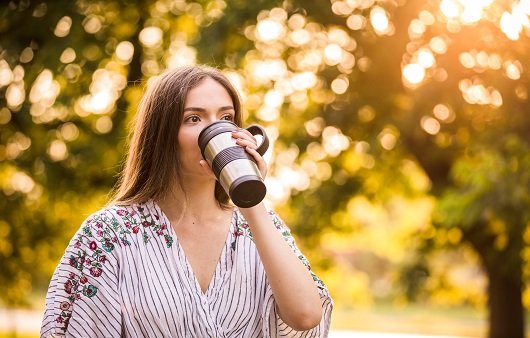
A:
x: 211, y: 118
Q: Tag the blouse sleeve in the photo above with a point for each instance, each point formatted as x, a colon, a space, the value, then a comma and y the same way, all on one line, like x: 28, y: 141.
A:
x: 274, y: 326
x: 82, y: 299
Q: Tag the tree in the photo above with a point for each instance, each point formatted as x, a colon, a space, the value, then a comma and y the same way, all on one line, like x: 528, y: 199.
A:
x: 444, y: 84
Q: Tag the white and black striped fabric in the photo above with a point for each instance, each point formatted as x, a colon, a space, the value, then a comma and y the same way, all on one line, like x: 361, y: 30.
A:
x: 124, y: 274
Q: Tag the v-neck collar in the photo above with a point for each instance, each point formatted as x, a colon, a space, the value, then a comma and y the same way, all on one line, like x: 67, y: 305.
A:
x: 181, y: 254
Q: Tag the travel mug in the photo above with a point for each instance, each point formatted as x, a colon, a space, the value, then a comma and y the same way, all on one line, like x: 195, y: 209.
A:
x: 233, y: 167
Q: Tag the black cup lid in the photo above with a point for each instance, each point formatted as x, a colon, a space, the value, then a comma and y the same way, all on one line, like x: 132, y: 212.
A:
x: 247, y: 191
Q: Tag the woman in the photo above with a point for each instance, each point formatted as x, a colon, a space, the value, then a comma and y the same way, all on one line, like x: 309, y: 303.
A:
x: 170, y: 256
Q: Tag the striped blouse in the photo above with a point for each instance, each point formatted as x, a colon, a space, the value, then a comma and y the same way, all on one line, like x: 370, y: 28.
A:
x: 124, y: 274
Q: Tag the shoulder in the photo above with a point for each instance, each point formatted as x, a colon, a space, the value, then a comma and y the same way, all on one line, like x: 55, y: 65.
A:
x: 112, y: 225
x: 105, y: 220
x: 97, y: 232
x: 127, y: 224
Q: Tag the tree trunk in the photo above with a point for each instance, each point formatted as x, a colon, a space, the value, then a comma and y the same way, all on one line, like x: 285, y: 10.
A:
x: 506, y: 314
x: 505, y: 287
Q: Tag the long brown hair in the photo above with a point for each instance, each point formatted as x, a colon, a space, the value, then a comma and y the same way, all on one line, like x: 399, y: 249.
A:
x: 152, y: 166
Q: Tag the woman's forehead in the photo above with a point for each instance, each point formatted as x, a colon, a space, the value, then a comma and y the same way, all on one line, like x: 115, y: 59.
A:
x: 208, y: 91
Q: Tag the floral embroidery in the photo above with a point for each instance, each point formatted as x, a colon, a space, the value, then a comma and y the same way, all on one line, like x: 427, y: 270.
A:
x: 146, y: 221
x: 242, y: 229
x: 74, y: 287
x: 98, y: 237
x: 169, y: 240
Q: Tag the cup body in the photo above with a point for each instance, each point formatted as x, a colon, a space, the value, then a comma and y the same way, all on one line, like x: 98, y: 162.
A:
x: 233, y: 167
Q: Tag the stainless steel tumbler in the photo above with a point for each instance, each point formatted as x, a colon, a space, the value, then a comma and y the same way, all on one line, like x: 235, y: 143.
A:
x: 234, y: 168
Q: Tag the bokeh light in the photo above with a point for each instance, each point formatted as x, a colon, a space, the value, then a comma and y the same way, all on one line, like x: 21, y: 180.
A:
x: 340, y: 85
x: 413, y: 73
x: 125, y: 51
x: 68, y: 55
x: 104, y: 91
x: 6, y: 75
x: 269, y: 30
x: 443, y: 113
x: 333, y: 54
x: 151, y: 36
x: 15, y: 95
x: 380, y: 21
x: 57, y: 150
x: 92, y: 24
x: 44, y: 90
x: 430, y: 125
x: 475, y: 92
x: 356, y: 22
x: 63, y: 27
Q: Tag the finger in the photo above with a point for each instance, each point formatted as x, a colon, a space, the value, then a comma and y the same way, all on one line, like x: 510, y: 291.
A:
x: 262, y: 165
x: 246, y: 143
x: 244, y: 135
x: 245, y: 132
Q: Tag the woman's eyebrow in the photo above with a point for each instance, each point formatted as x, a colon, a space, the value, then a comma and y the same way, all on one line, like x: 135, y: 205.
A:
x: 194, y: 109
x: 203, y: 110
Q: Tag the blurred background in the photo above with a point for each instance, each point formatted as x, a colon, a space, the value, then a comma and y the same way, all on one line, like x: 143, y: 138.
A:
x: 400, y: 129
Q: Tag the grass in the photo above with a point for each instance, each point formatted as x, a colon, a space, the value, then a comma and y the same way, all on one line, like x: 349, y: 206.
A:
x: 462, y: 322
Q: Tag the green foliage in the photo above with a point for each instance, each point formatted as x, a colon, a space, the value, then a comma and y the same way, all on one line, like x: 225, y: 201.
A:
x: 489, y: 181
x: 57, y: 163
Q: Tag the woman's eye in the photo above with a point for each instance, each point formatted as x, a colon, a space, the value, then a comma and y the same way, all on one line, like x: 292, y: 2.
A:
x: 227, y: 118
x: 193, y: 119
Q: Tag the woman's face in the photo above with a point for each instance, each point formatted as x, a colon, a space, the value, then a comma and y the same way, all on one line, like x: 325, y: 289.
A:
x: 206, y: 103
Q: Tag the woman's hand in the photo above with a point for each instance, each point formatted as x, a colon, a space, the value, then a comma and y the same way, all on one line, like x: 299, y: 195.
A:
x: 246, y: 140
